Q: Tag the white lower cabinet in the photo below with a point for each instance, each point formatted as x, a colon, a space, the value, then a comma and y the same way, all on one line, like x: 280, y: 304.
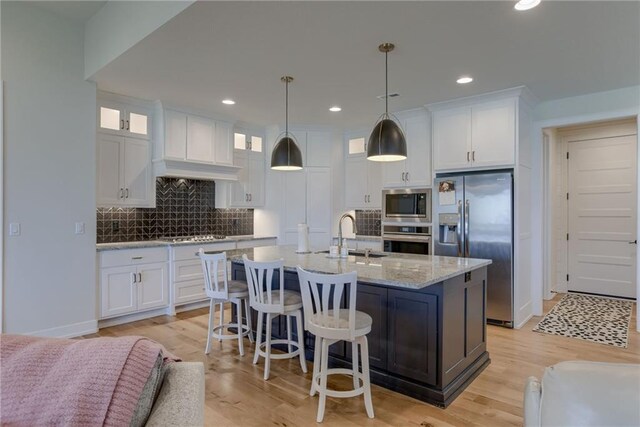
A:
x: 136, y: 286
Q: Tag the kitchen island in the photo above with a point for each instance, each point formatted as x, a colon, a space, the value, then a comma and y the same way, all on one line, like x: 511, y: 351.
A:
x: 428, y: 338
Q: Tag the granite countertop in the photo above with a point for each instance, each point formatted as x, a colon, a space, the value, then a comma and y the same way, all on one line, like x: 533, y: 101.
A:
x: 159, y: 243
x: 396, y: 270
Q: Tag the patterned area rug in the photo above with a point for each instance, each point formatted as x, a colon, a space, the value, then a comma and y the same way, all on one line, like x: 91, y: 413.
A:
x: 586, y: 317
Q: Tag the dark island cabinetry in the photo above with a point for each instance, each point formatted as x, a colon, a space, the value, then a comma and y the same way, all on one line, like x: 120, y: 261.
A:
x: 428, y: 343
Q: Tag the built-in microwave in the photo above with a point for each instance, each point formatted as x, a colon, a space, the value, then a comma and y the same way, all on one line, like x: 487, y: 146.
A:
x: 406, y: 205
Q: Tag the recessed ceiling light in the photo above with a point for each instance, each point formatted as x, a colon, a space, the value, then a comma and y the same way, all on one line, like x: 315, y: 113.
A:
x: 228, y: 101
x: 526, y: 4
x: 335, y: 109
x: 463, y: 80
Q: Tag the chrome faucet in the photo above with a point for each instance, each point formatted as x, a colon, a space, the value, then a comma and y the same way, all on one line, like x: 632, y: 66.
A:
x: 355, y: 229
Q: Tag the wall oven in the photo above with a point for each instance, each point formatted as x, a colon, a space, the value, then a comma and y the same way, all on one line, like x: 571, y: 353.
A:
x: 407, y: 239
x: 406, y: 205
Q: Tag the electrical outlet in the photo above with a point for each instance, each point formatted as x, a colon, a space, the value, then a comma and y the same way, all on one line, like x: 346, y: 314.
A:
x: 115, y: 226
x: 79, y: 227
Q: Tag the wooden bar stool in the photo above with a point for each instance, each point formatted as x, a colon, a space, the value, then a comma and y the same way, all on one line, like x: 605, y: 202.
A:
x: 320, y: 294
x: 214, y: 266
x: 271, y: 303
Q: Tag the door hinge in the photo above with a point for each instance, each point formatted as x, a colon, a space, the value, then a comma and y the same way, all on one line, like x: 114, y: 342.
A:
x: 567, y: 236
x: 567, y: 277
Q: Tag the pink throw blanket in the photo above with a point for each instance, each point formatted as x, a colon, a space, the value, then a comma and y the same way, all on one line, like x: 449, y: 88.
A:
x: 73, y: 382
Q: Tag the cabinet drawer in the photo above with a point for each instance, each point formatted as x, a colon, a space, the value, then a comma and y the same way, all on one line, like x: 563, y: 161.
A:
x: 244, y: 244
x: 187, y: 270
x: 189, y: 291
x: 188, y: 252
x: 120, y: 257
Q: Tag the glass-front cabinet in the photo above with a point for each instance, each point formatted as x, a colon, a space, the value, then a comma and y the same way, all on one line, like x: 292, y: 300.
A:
x: 123, y: 119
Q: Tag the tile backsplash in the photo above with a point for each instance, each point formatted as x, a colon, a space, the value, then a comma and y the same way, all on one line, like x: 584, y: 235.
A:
x: 368, y: 222
x: 183, y: 207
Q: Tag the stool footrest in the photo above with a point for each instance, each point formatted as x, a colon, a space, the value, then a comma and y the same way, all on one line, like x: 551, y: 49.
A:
x: 337, y: 393
x: 223, y: 336
x: 291, y: 355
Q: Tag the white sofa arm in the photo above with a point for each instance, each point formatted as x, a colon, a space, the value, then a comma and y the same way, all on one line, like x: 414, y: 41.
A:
x: 181, y: 398
x: 532, y: 394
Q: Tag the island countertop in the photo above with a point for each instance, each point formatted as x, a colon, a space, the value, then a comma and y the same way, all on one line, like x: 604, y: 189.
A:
x: 393, y: 269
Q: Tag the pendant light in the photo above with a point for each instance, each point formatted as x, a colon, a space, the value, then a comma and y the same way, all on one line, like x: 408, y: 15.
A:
x: 286, y: 155
x: 387, y: 142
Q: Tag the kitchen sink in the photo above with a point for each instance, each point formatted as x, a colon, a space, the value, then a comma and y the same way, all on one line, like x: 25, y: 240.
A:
x: 359, y: 253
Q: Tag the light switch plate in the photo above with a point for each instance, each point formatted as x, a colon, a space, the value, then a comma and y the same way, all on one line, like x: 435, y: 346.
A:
x: 79, y: 227
x: 14, y: 229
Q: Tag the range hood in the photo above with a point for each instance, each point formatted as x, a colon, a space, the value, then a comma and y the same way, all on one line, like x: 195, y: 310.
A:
x: 194, y: 170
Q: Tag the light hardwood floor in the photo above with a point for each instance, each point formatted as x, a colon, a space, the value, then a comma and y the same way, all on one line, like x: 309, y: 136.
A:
x: 236, y: 394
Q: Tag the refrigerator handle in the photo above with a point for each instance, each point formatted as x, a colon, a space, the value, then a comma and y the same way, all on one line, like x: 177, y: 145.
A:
x: 459, y: 228
x: 466, y: 229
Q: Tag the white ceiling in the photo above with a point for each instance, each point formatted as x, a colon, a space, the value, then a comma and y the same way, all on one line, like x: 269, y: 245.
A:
x: 77, y: 11
x: 214, y: 50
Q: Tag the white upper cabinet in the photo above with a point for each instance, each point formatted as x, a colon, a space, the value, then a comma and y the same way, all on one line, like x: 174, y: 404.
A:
x: 415, y: 170
x: 318, y: 149
x: 248, y: 190
x: 190, y: 144
x: 123, y: 119
x: 363, y: 178
x: 480, y: 135
x: 124, y: 172
x: 200, y: 139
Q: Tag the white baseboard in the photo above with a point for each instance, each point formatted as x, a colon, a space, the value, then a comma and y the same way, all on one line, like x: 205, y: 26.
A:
x: 105, y: 323
x: 68, y: 331
x: 521, y: 324
x: 192, y: 306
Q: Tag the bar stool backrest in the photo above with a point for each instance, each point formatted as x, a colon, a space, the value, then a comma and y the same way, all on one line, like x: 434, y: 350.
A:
x: 214, y: 266
x: 322, y: 296
x: 260, y: 278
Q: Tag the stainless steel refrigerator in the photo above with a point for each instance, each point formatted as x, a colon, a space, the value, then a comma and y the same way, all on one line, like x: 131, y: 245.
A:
x: 473, y: 218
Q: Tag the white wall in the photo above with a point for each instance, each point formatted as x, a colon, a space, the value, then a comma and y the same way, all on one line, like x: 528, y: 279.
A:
x: 50, y: 275
x: 619, y: 103
x: 119, y: 25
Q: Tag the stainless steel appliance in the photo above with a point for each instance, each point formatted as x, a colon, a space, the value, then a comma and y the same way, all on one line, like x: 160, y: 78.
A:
x: 406, y: 205
x: 193, y: 239
x: 407, y: 239
x: 473, y: 218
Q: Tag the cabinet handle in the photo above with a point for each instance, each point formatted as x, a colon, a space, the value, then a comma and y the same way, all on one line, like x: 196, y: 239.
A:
x: 246, y: 197
x: 473, y: 156
x: 139, y: 277
x: 122, y: 193
x: 121, y: 123
x: 369, y: 198
x: 134, y: 278
x: 468, y: 156
x: 127, y: 124
x: 136, y: 257
x: 250, y: 197
x: 407, y: 176
x: 126, y: 192
x: 402, y: 176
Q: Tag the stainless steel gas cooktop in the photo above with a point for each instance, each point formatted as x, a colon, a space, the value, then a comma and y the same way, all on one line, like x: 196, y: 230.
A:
x: 187, y: 239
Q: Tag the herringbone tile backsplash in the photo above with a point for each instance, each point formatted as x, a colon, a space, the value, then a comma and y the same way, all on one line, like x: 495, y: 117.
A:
x: 184, y: 207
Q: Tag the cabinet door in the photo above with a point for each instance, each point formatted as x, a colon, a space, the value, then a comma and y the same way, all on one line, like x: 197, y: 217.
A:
x: 373, y: 301
x: 393, y: 174
x: 413, y: 319
x: 294, y: 193
x: 137, y: 173
x: 117, y: 291
x: 256, y: 179
x: 199, y: 139
x: 153, y: 286
x: 138, y: 122
x: 319, y: 149
x: 109, y: 157
x: 175, y: 142
x: 355, y: 182
x: 452, y: 139
x: 111, y: 117
x: 239, y: 189
x: 374, y: 185
x: 318, y: 195
x: 493, y: 133
x: 223, y: 144
x: 418, y: 161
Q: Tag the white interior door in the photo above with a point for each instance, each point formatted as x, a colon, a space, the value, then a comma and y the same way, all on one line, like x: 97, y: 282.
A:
x: 294, y: 207
x: 602, y: 215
